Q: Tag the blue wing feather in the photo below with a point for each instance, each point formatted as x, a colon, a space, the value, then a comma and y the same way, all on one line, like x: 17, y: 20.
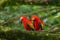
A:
x: 40, y: 26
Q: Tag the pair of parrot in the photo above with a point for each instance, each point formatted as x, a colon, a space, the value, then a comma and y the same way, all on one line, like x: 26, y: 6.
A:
x: 34, y: 23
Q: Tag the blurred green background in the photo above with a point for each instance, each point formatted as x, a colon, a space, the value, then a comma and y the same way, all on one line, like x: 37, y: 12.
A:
x: 47, y: 10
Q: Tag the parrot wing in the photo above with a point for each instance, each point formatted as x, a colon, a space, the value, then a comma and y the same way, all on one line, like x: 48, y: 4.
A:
x: 40, y: 25
x: 30, y: 26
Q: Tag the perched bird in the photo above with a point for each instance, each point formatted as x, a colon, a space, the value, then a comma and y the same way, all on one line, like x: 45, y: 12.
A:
x: 27, y: 23
x: 37, y: 22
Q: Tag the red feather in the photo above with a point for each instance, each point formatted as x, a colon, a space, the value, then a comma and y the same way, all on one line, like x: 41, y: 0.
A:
x: 37, y: 22
x: 26, y: 23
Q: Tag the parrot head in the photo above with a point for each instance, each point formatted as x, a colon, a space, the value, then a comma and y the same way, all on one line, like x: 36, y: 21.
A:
x: 23, y: 18
x: 34, y: 18
x: 27, y: 23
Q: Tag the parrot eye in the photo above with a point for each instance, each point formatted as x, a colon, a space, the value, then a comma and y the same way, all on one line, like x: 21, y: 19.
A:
x: 33, y: 19
x: 21, y: 18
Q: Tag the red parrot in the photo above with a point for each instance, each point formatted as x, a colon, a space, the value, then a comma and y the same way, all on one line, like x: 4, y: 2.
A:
x: 37, y: 22
x: 27, y: 23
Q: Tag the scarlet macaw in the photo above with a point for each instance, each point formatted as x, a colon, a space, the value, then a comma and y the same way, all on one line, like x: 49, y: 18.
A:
x: 27, y: 23
x: 37, y: 22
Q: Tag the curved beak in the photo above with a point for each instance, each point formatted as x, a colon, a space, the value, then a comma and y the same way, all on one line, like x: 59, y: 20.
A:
x: 20, y: 20
x: 32, y: 20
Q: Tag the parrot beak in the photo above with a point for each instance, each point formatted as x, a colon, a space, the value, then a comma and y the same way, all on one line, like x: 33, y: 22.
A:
x: 20, y: 20
x: 32, y: 20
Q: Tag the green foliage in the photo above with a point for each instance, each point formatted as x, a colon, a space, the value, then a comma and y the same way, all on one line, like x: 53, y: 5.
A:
x: 9, y: 21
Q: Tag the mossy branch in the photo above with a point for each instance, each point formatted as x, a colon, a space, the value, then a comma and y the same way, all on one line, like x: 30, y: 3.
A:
x: 15, y: 34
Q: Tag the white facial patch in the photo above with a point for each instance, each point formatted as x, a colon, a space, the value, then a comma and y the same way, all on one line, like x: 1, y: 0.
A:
x: 32, y: 18
x: 21, y: 18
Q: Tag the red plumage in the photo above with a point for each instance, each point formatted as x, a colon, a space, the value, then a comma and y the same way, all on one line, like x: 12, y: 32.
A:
x: 38, y: 23
x: 27, y: 23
